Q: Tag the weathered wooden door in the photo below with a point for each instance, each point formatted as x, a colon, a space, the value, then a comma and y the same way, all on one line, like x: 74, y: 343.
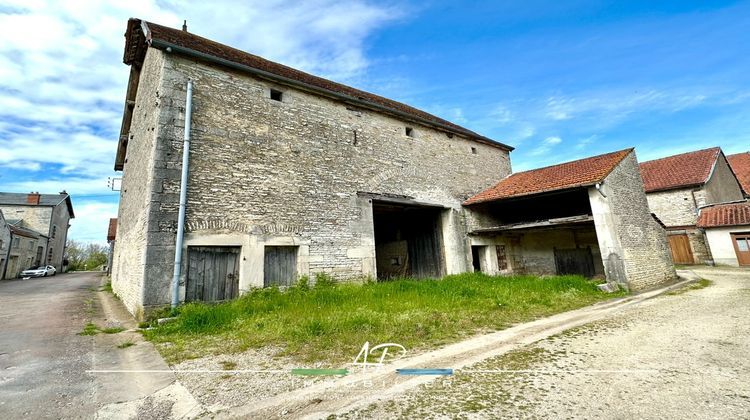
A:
x: 742, y: 247
x: 575, y: 261
x: 680, y: 247
x: 213, y: 273
x: 280, y: 266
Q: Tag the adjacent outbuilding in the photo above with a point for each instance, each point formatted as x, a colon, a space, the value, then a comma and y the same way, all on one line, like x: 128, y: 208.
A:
x: 587, y: 217
x: 728, y: 232
x: 678, y: 186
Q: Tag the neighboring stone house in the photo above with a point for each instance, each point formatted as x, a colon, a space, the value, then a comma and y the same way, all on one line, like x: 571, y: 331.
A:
x: 47, y: 215
x: 27, y: 249
x: 740, y: 164
x: 292, y: 175
x: 111, y: 239
x: 678, y: 186
x: 4, y: 244
x: 587, y: 216
x: 728, y: 232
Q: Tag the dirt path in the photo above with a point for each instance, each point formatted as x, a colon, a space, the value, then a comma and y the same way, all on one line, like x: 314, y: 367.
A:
x: 677, y: 356
x: 364, y: 389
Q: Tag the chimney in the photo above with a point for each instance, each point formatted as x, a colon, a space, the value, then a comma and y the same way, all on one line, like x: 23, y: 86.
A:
x: 184, y: 25
x: 33, y: 198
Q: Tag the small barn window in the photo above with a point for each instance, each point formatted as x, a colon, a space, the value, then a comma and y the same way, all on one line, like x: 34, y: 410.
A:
x: 409, y: 131
x: 276, y: 95
x: 473, y: 150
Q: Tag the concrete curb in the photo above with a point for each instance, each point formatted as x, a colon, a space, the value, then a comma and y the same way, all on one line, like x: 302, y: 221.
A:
x: 133, y: 379
x: 319, y: 401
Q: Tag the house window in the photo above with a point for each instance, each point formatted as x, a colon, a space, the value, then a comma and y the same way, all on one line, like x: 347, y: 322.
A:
x: 473, y: 150
x: 409, y: 131
x: 16, y: 242
x: 54, y: 231
x: 276, y: 95
x: 31, y: 245
x: 1, y: 247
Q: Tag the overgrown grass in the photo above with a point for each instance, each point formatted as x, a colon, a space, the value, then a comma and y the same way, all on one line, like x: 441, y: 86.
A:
x: 330, y: 322
x: 112, y: 330
x: 107, y: 287
x: 89, y: 329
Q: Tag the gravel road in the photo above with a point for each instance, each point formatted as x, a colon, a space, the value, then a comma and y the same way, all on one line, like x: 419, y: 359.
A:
x: 682, y: 355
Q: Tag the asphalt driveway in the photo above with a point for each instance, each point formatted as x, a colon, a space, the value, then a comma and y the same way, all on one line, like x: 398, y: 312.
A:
x: 681, y: 355
x: 43, y: 361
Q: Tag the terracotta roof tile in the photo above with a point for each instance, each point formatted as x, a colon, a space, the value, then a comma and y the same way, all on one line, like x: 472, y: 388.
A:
x: 679, y: 171
x: 740, y: 164
x: 578, y: 173
x: 732, y: 214
x: 112, y: 231
x: 202, y: 45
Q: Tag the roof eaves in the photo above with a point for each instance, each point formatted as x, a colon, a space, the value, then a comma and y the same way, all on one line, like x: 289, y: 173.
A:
x: 532, y: 193
x: 173, y: 48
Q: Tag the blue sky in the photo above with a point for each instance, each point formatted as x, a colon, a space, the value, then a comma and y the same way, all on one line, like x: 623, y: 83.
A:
x: 557, y: 80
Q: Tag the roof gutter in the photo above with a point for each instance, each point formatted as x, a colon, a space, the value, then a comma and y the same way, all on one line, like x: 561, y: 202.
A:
x: 169, y: 47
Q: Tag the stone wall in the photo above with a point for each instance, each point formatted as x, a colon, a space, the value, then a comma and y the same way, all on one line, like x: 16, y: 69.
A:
x: 278, y: 172
x: 58, y: 234
x: 137, y: 196
x: 533, y: 251
x: 36, y: 218
x: 634, y: 246
x: 674, y: 207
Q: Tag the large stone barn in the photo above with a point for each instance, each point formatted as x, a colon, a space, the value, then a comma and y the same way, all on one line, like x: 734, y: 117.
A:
x: 288, y: 175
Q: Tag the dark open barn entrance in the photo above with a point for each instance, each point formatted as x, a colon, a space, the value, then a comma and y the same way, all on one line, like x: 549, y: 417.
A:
x: 407, y: 240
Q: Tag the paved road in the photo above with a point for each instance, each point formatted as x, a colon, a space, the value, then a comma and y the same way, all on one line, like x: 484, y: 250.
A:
x: 42, y: 359
x: 683, y: 355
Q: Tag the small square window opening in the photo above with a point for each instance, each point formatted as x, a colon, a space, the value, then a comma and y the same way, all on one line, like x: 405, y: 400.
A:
x: 473, y: 150
x: 409, y: 131
x: 276, y: 95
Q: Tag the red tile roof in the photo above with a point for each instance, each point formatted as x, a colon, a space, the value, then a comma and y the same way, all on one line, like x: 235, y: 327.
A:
x: 679, y: 171
x: 733, y: 214
x: 159, y: 36
x: 112, y: 231
x: 578, y: 173
x: 740, y: 164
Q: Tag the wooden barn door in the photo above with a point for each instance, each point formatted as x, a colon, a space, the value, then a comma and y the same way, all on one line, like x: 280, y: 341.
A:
x: 280, y: 266
x: 213, y: 273
x: 742, y: 247
x: 680, y: 247
x: 575, y: 261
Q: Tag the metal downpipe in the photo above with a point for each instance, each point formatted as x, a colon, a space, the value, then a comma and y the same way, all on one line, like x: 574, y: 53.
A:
x: 183, y: 197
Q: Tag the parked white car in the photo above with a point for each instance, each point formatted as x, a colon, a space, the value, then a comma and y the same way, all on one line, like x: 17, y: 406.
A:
x: 42, y: 271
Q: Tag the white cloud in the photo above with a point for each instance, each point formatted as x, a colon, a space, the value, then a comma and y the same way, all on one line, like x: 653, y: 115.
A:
x: 546, y: 145
x: 62, y: 81
x: 91, y: 221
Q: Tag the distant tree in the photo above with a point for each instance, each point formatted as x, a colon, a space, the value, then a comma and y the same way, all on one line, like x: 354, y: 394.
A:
x: 82, y: 256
